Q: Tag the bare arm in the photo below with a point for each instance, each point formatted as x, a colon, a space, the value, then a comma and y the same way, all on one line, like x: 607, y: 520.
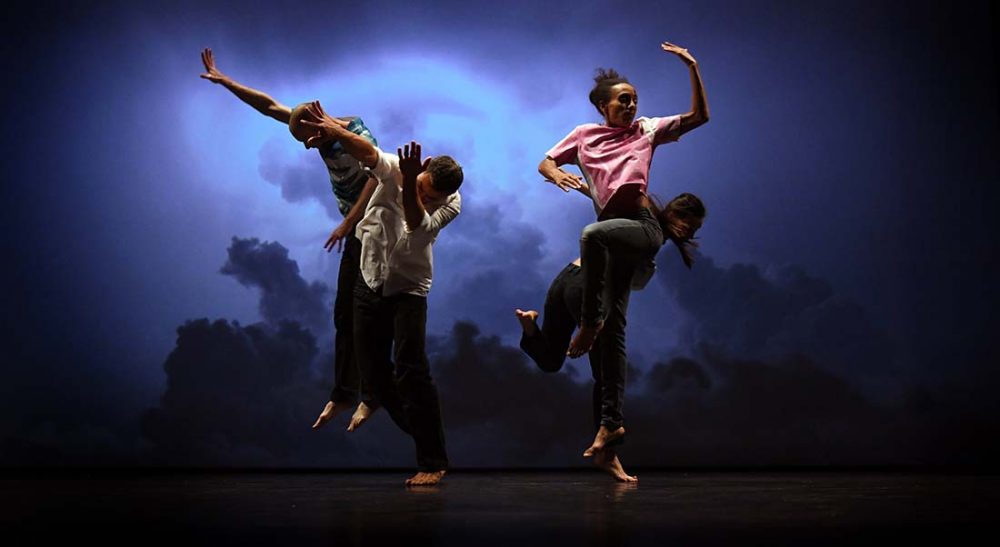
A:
x: 410, y: 167
x: 698, y: 115
x: 552, y: 173
x: 331, y: 129
x: 260, y: 101
x: 358, y: 209
x: 353, y: 216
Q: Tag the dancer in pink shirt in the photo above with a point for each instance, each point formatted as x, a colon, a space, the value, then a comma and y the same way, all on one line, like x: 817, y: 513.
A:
x: 614, y: 158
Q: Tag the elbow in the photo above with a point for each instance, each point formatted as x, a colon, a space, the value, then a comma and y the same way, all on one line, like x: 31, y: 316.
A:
x: 370, y: 158
x: 543, y: 167
x: 698, y: 119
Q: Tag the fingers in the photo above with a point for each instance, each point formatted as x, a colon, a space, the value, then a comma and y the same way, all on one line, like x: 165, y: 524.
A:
x: 208, y: 60
x: 411, y: 150
x: 571, y: 181
x: 427, y: 163
x: 314, y: 110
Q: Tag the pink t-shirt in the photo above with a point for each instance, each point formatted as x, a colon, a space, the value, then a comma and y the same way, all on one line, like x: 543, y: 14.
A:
x: 611, y: 157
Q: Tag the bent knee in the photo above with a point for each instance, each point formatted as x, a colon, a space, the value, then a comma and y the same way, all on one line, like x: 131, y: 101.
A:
x: 592, y: 232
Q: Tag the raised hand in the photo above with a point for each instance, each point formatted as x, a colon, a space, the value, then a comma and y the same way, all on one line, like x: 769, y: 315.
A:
x: 324, y: 125
x: 409, y: 161
x: 315, y: 112
x: 680, y: 52
x: 211, y: 73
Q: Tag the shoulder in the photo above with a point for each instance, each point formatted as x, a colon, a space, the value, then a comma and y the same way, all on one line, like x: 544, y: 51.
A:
x: 648, y: 125
x: 585, y: 129
x: 590, y: 128
x: 386, y: 165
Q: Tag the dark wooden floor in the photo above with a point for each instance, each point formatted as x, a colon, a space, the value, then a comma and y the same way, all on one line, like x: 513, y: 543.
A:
x: 500, y: 508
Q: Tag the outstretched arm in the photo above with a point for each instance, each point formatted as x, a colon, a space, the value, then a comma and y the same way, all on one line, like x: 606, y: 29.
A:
x: 331, y: 129
x: 698, y: 115
x: 260, y: 101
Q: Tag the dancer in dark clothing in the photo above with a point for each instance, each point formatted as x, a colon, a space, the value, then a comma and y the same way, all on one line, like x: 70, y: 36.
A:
x: 546, y: 345
x: 352, y: 185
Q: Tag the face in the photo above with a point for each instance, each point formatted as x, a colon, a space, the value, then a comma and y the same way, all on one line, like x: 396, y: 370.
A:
x: 620, y: 109
x: 426, y: 190
x: 687, y: 228
x: 691, y: 227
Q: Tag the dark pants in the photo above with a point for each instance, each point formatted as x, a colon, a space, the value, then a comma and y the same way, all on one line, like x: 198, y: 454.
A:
x: 611, y: 251
x: 347, y: 384
x: 389, y: 335
x: 547, y: 347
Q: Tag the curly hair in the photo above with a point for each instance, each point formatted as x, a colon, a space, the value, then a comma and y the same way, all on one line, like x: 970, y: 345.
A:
x: 605, y: 79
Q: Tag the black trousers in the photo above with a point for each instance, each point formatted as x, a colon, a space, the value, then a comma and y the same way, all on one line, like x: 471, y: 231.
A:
x: 347, y: 383
x: 389, y: 336
x: 547, y: 347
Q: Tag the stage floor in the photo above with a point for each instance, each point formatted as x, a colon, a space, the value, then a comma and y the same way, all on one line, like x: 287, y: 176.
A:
x: 498, y: 508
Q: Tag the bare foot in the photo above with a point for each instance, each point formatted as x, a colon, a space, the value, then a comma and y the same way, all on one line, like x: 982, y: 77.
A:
x: 609, y: 462
x: 423, y: 478
x: 527, y: 320
x: 360, y: 416
x: 329, y: 411
x: 604, y: 438
x: 584, y: 340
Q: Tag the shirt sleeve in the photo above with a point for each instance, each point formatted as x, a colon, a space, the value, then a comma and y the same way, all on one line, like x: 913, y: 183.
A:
x: 432, y: 223
x: 565, y: 150
x: 387, y: 167
x: 663, y: 130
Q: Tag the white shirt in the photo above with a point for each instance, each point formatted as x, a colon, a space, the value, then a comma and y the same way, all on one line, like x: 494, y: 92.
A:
x: 393, y: 256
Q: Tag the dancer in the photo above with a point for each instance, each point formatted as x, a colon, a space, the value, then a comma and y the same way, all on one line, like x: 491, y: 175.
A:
x: 680, y: 220
x: 352, y: 185
x: 614, y: 158
x: 412, y: 202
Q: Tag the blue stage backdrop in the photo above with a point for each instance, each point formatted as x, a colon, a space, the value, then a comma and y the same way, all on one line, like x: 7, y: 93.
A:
x: 168, y: 299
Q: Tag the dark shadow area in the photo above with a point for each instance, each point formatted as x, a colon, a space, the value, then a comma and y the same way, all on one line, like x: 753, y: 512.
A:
x: 503, y: 508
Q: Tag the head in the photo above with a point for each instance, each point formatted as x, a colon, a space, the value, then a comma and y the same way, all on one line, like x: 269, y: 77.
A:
x: 614, y: 97
x: 298, y: 130
x: 441, y: 179
x: 681, y: 219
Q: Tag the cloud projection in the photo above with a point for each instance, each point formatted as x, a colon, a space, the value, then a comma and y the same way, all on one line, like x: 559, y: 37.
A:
x: 244, y: 395
x: 843, y: 312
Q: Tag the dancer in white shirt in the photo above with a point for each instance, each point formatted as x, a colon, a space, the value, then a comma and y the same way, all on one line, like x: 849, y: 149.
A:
x: 413, y: 201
